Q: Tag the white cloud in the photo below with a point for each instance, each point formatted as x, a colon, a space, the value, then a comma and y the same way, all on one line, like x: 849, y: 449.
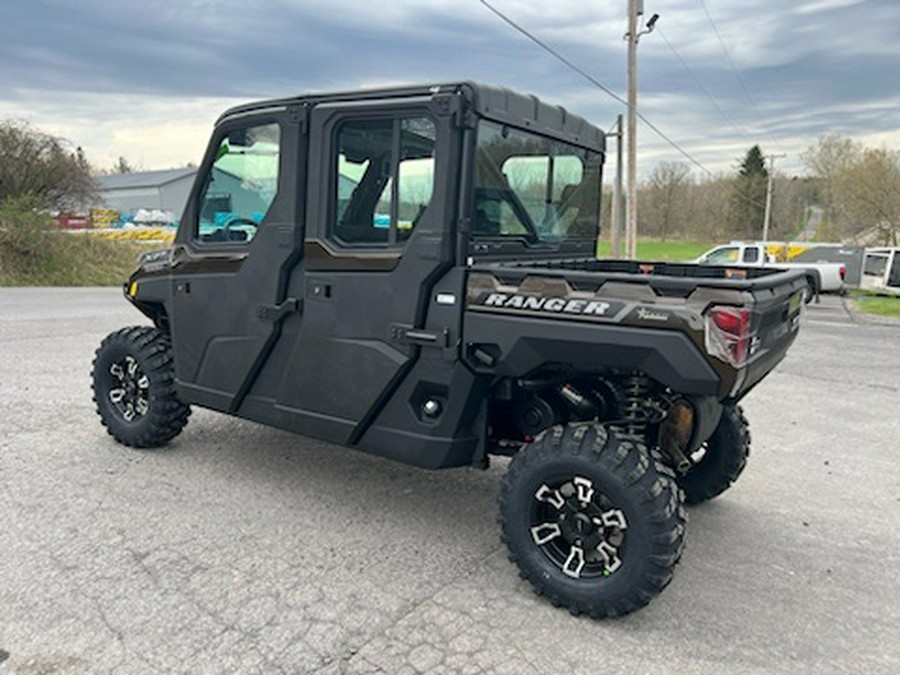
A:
x: 146, y: 80
x: 824, y: 6
x: 153, y: 132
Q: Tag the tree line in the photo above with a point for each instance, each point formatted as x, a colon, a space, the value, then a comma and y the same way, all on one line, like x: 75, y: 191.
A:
x: 851, y: 192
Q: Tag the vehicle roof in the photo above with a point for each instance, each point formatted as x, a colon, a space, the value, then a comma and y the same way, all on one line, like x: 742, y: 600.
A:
x: 496, y: 103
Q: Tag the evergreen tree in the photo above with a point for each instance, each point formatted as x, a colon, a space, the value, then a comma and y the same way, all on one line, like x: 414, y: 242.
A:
x: 748, y: 201
x: 122, y: 166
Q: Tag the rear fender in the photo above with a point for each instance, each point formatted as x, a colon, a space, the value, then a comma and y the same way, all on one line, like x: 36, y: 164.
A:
x: 511, y: 346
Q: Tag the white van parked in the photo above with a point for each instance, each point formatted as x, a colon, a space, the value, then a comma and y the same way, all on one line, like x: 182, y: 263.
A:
x: 881, y: 270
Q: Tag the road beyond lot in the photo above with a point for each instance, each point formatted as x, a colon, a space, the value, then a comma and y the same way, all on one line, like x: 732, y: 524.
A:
x: 242, y: 549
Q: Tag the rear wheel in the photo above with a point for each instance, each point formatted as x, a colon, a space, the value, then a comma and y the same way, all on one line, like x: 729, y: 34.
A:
x: 720, y: 460
x: 811, y: 291
x: 134, y: 388
x: 591, y: 520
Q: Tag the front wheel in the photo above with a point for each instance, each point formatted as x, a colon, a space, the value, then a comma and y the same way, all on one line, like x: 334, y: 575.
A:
x: 134, y: 388
x: 591, y: 520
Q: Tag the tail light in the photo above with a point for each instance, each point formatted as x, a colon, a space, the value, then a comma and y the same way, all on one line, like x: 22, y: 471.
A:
x: 728, y: 334
x: 843, y: 272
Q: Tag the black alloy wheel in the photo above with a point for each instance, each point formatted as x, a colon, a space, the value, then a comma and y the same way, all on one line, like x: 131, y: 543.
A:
x: 593, y: 521
x: 128, y: 388
x: 578, y: 528
x: 134, y: 388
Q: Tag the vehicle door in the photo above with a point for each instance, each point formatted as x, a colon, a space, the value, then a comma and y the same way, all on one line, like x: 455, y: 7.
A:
x: 234, y: 251
x: 375, y: 246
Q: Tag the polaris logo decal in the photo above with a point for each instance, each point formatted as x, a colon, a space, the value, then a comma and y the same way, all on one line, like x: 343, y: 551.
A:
x: 550, y: 305
x: 647, y: 315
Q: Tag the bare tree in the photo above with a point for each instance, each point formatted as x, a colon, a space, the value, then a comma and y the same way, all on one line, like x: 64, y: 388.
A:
x: 792, y: 197
x: 870, y: 192
x: 858, y: 187
x: 42, y: 167
x: 827, y: 161
x: 710, y: 210
x: 666, y: 197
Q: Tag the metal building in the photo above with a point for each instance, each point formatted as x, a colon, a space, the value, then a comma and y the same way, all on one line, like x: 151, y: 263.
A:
x: 165, y: 190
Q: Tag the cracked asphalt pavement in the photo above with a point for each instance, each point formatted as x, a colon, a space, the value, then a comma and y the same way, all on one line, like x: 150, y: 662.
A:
x: 242, y: 549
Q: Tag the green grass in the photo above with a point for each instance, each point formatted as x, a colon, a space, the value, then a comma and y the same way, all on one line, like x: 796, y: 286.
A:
x: 73, y: 261
x: 653, y: 249
x: 882, y: 305
x: 34, y: 252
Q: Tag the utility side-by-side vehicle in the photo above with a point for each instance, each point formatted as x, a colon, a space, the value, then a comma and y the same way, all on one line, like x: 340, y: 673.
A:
x: 411, y: 272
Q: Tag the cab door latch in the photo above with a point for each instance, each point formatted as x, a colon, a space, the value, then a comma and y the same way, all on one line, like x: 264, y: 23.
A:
x: 277, y: 312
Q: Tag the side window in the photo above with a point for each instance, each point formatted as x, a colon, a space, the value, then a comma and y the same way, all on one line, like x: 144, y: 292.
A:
x: 751, y: 254
x: 384, y: 181
x: 241, y: 185
x: 724, y: 255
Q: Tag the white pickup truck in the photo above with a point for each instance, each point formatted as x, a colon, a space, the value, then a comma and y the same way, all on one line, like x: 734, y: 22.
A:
x: 822, y: 277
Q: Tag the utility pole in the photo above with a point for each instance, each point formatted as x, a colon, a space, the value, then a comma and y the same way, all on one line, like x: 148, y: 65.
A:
x: 768, y: 216
x: 631, y: 225
x: 617, y: 215
x: 635, y: 9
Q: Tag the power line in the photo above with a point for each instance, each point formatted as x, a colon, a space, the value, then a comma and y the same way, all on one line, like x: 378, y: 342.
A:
x: 699, y: 84
x: 611, y: 93
x: 737, y: 74
x: 555, y: 53
x: 596, y: 83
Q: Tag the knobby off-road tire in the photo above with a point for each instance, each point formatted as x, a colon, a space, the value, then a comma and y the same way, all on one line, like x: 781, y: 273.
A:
x: 725, y: 456
x: 593, y: 521
x: 134, y: 388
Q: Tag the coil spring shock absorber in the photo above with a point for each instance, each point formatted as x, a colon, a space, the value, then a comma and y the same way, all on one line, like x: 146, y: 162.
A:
x: 636, y: 390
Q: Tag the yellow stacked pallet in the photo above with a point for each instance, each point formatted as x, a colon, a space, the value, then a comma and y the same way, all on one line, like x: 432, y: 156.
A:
x: 142, y: 234
x: 104, y: 217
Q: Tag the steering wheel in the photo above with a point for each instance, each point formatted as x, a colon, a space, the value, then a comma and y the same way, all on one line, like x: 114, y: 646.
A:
x: 234, y: 235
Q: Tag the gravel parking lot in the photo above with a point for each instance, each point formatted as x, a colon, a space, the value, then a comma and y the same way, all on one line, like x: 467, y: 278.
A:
x: 244, y: 549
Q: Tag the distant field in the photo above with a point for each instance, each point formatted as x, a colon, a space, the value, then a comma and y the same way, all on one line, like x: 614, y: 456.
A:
x: 652, y: 249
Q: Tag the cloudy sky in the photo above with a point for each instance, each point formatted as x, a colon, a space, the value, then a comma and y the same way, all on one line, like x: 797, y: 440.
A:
x: 145, y: 79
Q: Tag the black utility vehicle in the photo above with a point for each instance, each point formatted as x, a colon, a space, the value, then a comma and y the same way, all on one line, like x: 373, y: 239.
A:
x: 411, y: 272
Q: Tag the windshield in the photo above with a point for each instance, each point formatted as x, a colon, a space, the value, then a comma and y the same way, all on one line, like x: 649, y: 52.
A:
x: 534, y: 188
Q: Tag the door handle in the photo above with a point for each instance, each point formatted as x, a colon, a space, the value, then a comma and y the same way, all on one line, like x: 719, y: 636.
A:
x: 277, y: 312
x: 413, y: 336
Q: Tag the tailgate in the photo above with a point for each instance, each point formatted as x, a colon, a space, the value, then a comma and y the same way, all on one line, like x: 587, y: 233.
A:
x: 773, y: 328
